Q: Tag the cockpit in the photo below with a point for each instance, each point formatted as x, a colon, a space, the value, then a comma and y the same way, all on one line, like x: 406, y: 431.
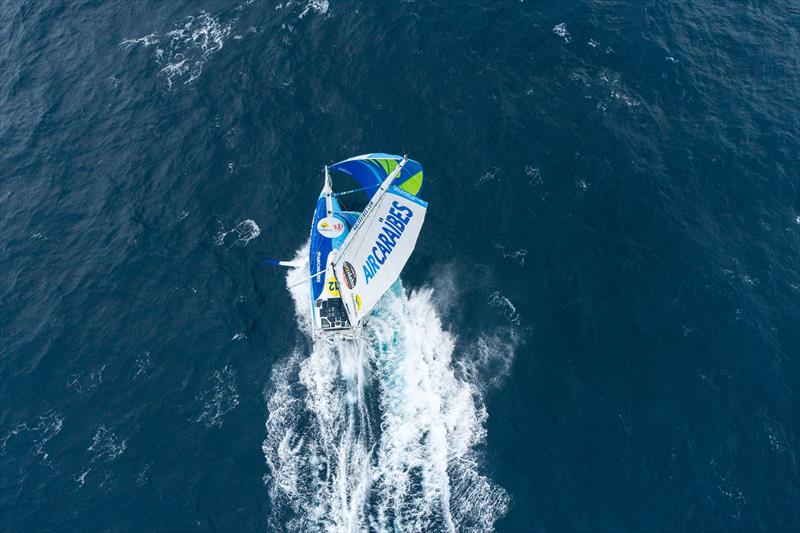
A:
x: 332, y: 314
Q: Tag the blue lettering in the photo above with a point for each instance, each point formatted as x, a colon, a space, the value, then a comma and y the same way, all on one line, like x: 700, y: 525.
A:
x: 391, y: 231
x: 375, y: 251
x: 395, y: 225
x: 403, y: 209
x: 383, y: 249
x: 385, y: 240
x: 367, y: 274
x: 373, y: 264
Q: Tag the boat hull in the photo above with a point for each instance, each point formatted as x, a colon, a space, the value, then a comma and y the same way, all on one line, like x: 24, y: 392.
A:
x: 328, y: 315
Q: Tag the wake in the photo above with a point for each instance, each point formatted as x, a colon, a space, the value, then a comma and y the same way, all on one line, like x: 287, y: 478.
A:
x: 379, y: 434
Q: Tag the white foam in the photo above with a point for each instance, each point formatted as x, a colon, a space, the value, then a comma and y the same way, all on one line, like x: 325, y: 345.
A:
x: 607, y: 87
x: 106, y: 445
x: 627, y: 100
x: 45, y: 428
x: 487, y: 360
x: 240, y: 234
x: 86, y: 381
x: 81, y: 478
x: 143, y: 364
x: 183, y: 51
x: 489, y: 175
x: 147, y: 40
x: 141, y: 477
x: 498, y: 300
x: 561, y: 30
x: 220, y: 397
x: 320, y: 7
x: 381, y: 434
x: 517, y: 255
x: 534, y: 174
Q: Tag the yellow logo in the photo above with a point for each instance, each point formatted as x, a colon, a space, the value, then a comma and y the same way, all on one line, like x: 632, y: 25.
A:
x: 324, y: 225
x: 358, y: 302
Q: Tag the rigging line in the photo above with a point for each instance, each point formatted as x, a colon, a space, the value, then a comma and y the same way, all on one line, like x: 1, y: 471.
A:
x: 293, y: 285
x: 338, y: 194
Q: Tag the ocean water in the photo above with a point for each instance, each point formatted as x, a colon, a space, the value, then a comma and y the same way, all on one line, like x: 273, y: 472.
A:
x: 599, y: 329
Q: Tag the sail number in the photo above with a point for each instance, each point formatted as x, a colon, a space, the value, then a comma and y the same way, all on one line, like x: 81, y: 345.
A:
x: 333, y: 287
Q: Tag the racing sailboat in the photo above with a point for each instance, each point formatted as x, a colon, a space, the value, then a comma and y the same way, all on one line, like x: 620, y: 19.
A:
x: 354, y: 258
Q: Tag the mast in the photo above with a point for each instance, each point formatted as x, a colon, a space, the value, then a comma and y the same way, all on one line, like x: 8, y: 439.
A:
x: 328, y: 193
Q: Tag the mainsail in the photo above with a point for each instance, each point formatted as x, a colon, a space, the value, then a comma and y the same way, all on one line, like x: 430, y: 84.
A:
x: 379, y: 245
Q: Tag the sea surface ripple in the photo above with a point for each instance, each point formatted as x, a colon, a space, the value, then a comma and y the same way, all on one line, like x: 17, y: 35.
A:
x: 598, y: 330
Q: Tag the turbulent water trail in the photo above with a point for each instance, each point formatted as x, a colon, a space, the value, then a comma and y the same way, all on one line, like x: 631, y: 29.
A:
x: 379, y: 434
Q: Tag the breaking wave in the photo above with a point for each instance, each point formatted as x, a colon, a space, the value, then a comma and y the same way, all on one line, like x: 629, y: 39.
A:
x: 383, y: 433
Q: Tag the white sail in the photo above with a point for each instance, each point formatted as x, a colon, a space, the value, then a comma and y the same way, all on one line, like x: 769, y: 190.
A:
x: 377, y: 248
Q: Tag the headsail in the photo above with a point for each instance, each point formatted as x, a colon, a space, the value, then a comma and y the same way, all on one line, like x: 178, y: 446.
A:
x: 370, y: 170
x: 379, y: 245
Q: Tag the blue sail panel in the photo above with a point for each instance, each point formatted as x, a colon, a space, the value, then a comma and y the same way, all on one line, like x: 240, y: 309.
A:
x: 319, y: 249
x: 371, y: 169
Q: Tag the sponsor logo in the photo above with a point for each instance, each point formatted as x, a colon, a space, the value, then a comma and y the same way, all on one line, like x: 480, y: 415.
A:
x: 358, y: 302
x: 393, y: 227
x: 330, y: 227
x: 349, y: 275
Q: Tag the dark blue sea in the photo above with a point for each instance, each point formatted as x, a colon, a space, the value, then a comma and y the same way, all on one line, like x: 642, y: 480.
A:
x: 598, y: 331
